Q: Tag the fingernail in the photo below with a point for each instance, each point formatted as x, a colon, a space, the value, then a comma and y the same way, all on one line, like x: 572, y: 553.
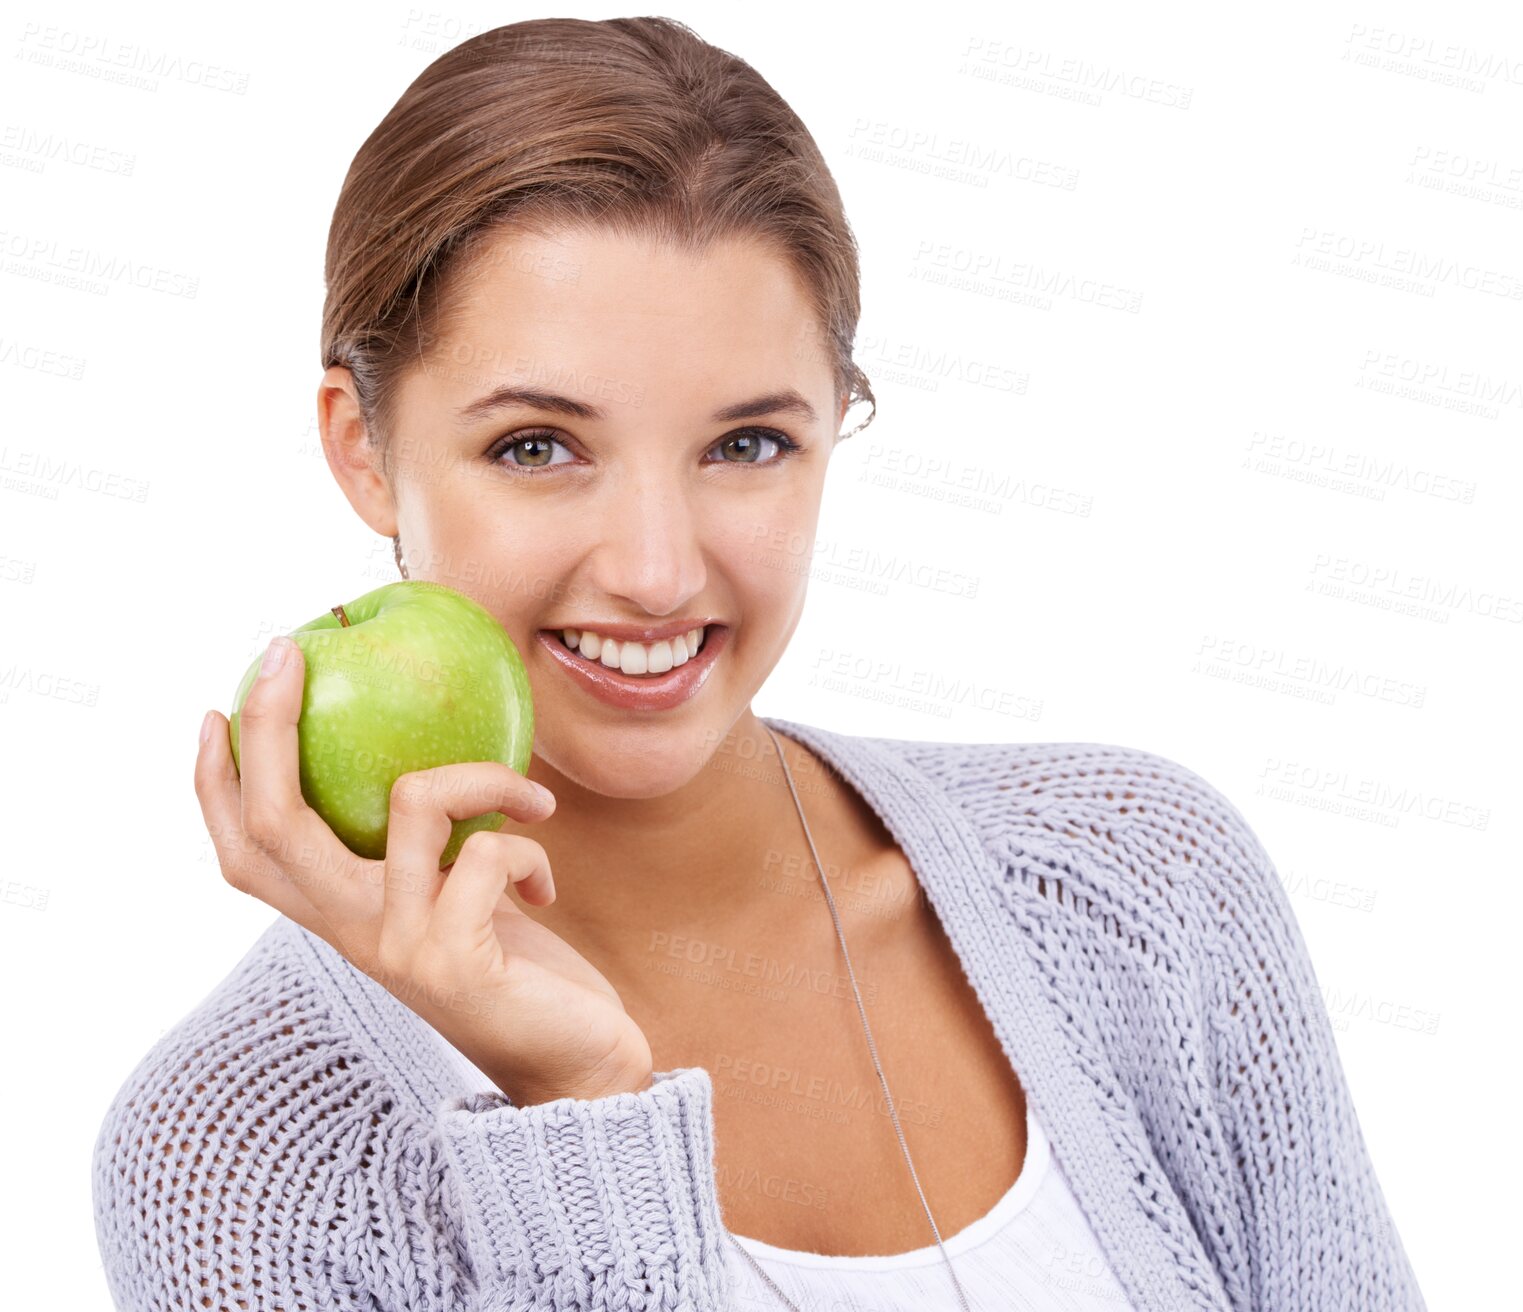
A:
x: 546, y: 797
x: 206, y: 727
x: 274, y: 657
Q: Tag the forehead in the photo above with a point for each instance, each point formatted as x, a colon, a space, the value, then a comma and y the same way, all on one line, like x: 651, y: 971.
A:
x: 602, y: 304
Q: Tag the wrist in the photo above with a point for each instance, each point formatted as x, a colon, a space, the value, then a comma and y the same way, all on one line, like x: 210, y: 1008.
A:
x: 532, y: 1097
x: 632, y: 1076
x: 634, y: 1082
x: 629, y: 1073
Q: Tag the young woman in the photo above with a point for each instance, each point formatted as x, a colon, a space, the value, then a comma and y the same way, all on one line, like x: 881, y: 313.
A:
x: 747, y: 1013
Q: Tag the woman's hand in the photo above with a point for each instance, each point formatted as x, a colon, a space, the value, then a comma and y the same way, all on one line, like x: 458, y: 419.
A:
x: 517, y: 1000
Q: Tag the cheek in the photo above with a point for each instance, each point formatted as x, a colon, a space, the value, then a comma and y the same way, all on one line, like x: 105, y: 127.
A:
x: 768, y: 559
x: 514, y: 560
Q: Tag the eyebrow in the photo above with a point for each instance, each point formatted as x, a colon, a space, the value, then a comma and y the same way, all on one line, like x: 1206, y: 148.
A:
x: 786, y: 401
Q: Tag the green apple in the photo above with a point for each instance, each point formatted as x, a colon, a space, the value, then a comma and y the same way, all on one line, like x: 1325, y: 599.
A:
x: 407, y: 677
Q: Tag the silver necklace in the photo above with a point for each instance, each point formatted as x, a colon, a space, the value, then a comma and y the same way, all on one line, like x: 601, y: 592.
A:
x: 962, y: 1298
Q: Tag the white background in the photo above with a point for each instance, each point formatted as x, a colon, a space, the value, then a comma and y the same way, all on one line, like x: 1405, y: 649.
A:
x: 1263, y: 522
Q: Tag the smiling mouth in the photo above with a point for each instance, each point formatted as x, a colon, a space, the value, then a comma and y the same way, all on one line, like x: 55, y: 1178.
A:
x: 637, y: 692
x: 635, y: 660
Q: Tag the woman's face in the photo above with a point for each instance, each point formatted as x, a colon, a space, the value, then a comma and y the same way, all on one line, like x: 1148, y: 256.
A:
x: 648, y: 485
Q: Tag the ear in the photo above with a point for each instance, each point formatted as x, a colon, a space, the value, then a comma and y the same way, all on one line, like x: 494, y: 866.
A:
x: 355, y: 462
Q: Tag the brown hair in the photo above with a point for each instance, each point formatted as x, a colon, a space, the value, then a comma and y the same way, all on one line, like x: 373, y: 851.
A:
x: 632, y: 124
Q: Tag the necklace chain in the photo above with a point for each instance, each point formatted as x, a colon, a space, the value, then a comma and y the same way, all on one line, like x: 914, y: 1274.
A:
x: 962, y: 1298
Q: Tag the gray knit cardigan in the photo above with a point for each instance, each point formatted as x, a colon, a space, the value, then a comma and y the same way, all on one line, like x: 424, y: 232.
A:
x: 299, y: 1140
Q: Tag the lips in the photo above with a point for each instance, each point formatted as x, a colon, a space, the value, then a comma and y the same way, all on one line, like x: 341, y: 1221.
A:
x: 689, y: 641
x: 639, y: 692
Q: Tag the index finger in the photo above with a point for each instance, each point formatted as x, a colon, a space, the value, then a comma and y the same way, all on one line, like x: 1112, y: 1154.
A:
x: 275, y: 815
x: 244, y: 866
x: 424, y: 804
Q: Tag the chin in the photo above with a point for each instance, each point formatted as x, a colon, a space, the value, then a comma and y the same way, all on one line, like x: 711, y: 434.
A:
x: 642, y: 758
x: 643, y: 778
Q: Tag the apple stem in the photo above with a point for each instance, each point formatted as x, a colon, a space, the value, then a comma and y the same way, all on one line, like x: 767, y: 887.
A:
x: 343, y: 619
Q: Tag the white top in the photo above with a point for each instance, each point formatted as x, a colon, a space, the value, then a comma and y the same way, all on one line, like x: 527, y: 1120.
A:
x: 1033, y: 1250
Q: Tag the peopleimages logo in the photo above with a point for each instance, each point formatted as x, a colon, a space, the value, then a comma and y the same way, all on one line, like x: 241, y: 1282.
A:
x: 1393, y: 581
x: 49, y: 474
x: 1417, y: 49
x: 45, y: 260
x: 110, y: 60
x: 1424, y: 266
x: 1003, y: 61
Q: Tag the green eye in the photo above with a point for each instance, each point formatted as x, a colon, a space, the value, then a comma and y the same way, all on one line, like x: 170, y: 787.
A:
x: 748, y: 442
x: 536, y: 449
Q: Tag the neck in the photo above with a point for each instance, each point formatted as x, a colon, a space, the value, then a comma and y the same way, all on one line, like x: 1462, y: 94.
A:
x: 714, y: 859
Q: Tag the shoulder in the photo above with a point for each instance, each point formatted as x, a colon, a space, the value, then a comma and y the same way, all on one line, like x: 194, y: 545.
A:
x: 230, y: 1132
x: 263, y: 1038
x: 1137, y: 821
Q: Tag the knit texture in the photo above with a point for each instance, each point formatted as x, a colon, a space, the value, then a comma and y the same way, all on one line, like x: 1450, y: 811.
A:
x: 298, y: 1141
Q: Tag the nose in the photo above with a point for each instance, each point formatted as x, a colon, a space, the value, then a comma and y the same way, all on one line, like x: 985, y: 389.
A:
x: 648, y: 551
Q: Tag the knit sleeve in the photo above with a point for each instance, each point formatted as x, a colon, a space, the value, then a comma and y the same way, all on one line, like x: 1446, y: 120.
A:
x: 257, y: 1160
x: 1315, y: 1231
x: 600, y: 1203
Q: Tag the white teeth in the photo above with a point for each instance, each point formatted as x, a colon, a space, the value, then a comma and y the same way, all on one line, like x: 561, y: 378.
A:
x: 635, y: 657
